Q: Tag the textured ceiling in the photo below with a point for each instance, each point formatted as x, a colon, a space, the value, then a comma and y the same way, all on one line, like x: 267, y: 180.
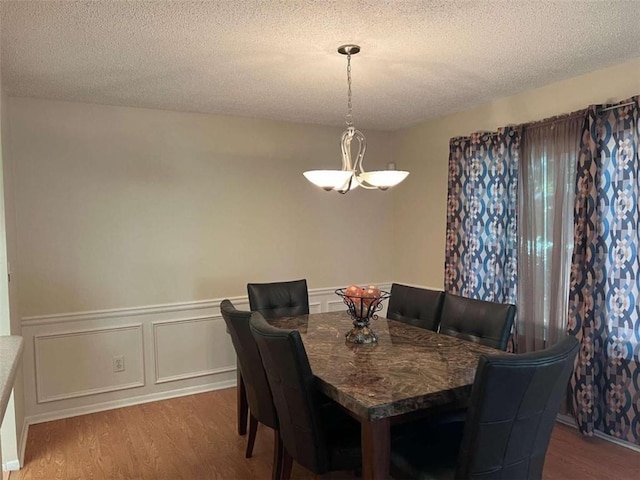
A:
x: 277, y: 59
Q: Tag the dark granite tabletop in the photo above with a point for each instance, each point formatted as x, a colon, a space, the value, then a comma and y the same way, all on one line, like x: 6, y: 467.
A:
x: 408, y: 369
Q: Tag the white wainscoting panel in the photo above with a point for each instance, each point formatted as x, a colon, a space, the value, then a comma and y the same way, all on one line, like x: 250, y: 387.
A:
x: 169, y: 350
x: 80, y: 363
x: 315, y: 307
x: 192, y: 347
x: 336, y: 305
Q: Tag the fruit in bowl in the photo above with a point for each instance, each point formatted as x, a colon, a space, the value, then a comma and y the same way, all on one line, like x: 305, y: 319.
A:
x: 371, y: 295
x: 355, y: 294
x: 354, y: 291
x: 364, y: 299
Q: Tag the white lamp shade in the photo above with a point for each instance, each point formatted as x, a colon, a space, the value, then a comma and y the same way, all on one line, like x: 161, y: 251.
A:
x: 329, y: 179
x: 383, y: 179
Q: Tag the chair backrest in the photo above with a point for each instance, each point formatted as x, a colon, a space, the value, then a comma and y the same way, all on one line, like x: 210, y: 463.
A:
x: 479, y: 321
x: 513, y: 407
x: 417, y: 306
x: 255, y: 380
x: 294, y: 393
x: 279, y: 299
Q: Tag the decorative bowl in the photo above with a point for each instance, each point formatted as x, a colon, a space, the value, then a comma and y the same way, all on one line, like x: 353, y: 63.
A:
x: 362, y: 308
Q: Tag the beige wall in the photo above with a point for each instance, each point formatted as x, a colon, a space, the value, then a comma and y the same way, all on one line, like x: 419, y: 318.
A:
x: 119, y: 207
x: 420, y: 203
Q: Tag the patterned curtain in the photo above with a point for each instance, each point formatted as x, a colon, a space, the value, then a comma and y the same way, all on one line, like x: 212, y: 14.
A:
x: 604, y: 301
x: 481, y: 244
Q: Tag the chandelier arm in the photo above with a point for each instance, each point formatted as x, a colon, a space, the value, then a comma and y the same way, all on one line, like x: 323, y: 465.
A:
x: 365, y: 185
x: 347, y: 187
x: 358, y: 167
x: 345, y: 145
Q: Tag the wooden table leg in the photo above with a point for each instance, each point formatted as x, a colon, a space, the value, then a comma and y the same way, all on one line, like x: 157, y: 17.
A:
x: 376, y: 449
x: 243, y: 406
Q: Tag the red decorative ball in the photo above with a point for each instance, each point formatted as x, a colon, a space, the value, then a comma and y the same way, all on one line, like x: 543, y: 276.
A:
x: 354, y: 291
x: 355, y: 294
x: 371, y: 295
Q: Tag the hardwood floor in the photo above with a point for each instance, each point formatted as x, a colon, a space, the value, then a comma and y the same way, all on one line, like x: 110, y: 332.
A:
x: 195, y: 437
x: 571, y: 455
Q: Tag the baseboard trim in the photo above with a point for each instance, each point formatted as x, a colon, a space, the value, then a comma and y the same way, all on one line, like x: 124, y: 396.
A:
x: 570, y: 421
x: 566, y: 420
x: 11, y: 466
x: 15, y: 465
x: 127, y: 402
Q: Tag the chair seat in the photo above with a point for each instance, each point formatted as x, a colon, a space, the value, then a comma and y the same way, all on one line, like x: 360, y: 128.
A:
x: 343, y: 437
x: 427, y: 453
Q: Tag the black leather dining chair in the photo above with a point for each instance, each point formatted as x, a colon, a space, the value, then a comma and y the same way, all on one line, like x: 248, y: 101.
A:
x: 512, y: 412
x: 259, y: 399
x: 479, y: 321
x: 315, y: 432
x: 279, y: 299
x: 416, y: 306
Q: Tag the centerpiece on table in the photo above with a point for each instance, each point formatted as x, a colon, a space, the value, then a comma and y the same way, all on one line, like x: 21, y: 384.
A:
x: 362, y: 305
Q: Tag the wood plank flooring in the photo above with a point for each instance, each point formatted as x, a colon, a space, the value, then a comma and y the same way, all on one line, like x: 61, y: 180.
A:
x: 195, y: 438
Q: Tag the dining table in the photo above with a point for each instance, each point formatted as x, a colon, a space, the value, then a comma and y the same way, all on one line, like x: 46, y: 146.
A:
x: 407, y: 373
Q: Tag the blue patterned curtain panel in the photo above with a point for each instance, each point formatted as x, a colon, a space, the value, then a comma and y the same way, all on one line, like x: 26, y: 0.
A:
x: 604, y: 301
x: 481, y: 244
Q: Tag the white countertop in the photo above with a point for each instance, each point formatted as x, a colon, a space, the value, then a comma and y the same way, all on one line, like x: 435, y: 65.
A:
x: 10, y: 354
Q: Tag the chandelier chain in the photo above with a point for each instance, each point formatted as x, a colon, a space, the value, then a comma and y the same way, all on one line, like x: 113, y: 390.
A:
x: 349, y: 117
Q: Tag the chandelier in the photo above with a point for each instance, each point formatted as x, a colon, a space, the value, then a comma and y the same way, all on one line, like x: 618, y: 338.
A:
x: 353, y: 174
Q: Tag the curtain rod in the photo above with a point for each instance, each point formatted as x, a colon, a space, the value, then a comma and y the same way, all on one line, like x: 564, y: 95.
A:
x: 553, y: 119
x: 600, y: 109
